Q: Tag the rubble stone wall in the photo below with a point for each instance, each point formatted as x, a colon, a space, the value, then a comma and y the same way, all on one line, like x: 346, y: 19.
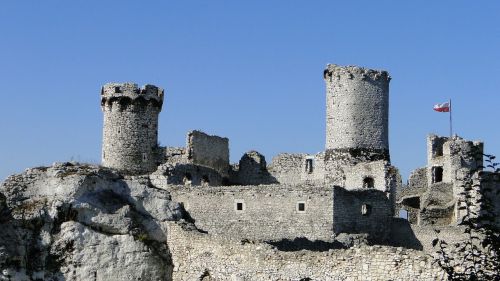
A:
x: 357, y: 107
x: 196, y: 256
x: 357, y: 174
x: 208, y: 151
x: 301, y: 168
x: 362, y: 211
x: 268, y: 212
x: 130, y: 131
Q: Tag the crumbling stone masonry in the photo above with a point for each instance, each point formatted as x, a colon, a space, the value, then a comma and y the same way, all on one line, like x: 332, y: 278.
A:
x: 434, y: 193
x: 348, y: 192
x: 357, y: 114
x: 199, y: 256
x: 130, y: 132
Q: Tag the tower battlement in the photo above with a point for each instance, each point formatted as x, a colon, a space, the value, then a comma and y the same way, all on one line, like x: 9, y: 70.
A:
x: 354, y: 72
x: 132, y: 92
x: 130, y: 131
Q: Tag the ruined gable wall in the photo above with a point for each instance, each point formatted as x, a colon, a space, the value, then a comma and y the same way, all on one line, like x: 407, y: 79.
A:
x: 349, y: 217
x: 418, y: 178
x: 269, y: 212
x: 195, y: 255
x: 208, y: 151
x: 377, y: 170
x: 289, y: 168
x: 251, y: 170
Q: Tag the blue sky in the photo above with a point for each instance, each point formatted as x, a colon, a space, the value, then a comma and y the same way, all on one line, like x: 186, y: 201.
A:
x: 247, y: 70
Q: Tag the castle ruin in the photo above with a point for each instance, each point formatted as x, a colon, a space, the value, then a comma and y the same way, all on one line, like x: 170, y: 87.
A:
x: 348, y: 190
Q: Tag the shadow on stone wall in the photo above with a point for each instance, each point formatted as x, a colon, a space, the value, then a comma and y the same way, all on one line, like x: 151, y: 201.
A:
x: 302, y: 243
x: 402, y: 235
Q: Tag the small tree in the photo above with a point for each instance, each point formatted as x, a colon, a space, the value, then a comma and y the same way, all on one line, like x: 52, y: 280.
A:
x: 476, y: 258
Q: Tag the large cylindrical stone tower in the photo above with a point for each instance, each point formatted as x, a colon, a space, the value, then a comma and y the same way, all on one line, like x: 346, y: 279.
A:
x: 357, y: 111
x: 130, y: 131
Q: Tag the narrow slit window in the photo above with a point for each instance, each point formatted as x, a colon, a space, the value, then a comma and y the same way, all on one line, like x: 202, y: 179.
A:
x: 309, y: 166
x: 366, y: 209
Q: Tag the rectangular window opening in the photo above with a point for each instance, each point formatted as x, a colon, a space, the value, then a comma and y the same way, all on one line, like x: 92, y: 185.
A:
x: 301, y: 207
x: 239, y: 205
x: 437, y: 174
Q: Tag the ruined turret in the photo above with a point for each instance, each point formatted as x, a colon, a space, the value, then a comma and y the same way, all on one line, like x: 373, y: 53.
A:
x: 130, y: 131
x: 357, y: 111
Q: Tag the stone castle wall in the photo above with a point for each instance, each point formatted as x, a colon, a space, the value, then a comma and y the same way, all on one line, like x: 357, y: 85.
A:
x: 268, y: 212
x: 357, y: 175
x: 130, y: 131
x: 362, y: 211
x: 357, y: 108
x: 276, y: 212
x: 208, y: 151
x: 196, y: 256
x: 251, y: 170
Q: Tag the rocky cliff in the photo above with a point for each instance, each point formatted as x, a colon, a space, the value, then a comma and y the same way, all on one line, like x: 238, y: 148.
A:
x: 82, y: 222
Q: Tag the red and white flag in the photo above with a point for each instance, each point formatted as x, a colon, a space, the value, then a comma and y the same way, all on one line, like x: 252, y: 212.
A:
x: 442, y: 107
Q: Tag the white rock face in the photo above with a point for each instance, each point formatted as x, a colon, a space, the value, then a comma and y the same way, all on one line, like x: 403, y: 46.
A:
x: 78, y: 222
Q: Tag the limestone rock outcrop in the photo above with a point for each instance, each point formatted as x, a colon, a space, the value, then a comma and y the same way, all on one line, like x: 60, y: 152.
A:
x: 83, y: 222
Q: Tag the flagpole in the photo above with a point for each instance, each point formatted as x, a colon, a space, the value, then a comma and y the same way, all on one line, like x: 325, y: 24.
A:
x: 451, y: 124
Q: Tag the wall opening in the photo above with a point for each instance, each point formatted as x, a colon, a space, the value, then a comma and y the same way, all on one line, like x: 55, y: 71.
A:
x: 187, y: 179
x: 437, y: 174
x: 239, y: 205
x: 205, y: 181
x: 144, y: 157
x: 368, y: 182
x: 309, y: 166
x: 366, y: 209
x: 301, y: 207
x: 438, y: 151
x: 117, y: 90
x: 403, y: 214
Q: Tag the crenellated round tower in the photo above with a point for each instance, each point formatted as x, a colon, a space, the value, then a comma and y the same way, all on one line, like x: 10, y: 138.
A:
x: 357, y: 112
x: 130, y: 131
